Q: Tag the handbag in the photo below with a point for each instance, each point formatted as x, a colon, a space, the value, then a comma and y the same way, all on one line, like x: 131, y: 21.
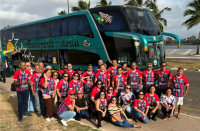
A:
x: 116, y: 116
x: 12, y: 88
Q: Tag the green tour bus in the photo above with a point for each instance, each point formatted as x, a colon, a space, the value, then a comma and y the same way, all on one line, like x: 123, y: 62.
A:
x: 124, y: 33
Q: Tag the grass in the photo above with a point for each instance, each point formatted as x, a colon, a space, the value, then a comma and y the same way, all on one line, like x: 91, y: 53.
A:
x: 8, y: 119
x: 189, y: 65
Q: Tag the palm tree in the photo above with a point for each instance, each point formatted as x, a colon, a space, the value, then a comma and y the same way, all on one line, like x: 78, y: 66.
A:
x: 139, y: 3
x: 158, y: 14
x: 62, y: 12
x: 82, y: 5
x: 103, y: 3
x: 194, y: 14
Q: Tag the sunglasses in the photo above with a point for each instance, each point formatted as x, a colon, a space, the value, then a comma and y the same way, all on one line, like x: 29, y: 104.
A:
x: 102, y: 94
x: 99, y: 84
x: 71, y: 94
x: 110, y: 89
x: 128, y: 88
x: 28, y: 65
x: 114, y: 100
x: 75, y: 75
x: 55, y: 75
x: 141, y: 94
x: 65, y: 76
x: 89, y: 67
x: 79, y: 93
x: 163, y: 65
x: 65, y: 68
x: 149, y: 66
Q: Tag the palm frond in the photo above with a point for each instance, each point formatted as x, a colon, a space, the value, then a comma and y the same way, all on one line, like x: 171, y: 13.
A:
x: 89, y: 4
x: 110, y: 3
x: 75, y: 8
x: 192, y: 21
x: 163, y: 21
x: 189, y: 12
x: 82, y: 4
x: 160, y: 25
x: 165, y: 9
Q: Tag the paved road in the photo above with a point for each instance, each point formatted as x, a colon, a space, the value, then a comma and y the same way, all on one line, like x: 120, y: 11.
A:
x: 189, y: 118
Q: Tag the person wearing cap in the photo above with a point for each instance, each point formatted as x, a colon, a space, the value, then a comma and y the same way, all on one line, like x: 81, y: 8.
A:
x: 64, y: 70
x: 66, y: 109
x: 148, y: 77
x: 80, y: 72
x: 178, y: 82
x: 90, y: 72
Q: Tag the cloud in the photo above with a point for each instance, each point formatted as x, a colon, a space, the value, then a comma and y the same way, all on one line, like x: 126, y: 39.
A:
x: 14, y: 12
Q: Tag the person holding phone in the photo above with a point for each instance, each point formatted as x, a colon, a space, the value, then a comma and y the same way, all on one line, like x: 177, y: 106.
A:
x: 49, y: 92
x: 81, y: 106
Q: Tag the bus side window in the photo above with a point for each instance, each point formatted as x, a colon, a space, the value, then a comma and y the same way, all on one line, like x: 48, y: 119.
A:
x: 44, y: 29
x: 3, y: 36
x: 9, y: 34
x: 20, y: 33
x: 56, y: 28
x: 31, y: 32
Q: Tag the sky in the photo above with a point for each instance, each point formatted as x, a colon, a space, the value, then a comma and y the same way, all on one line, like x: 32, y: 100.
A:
x: 15, y: 12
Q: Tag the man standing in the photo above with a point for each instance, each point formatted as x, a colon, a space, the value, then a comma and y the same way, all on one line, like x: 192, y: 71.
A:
x: 134, y: 78
x: 148, y: 77
x: 112, y: 71
x: 31, y: 99
x: 41, y: 66
x: 90, y: 72
x: 21, y: 81
x: 70, y: 71
x: 163, y: 76
x: 178, y: 82
x: 7, y: 67
x: 100, y: 62
x: 36, y: 91
x: 103, y: 76
x: 2, y: 70
x: 64, y: 70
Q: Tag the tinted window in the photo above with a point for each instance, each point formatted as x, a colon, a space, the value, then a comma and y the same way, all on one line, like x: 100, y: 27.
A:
x: 64, y: 27
x: 56, y: 28
x: 9, y: 34
x: 20, y: 33
x: 79, y: 25
x: 114, y: 22
x: 44, y: 29
x: 3, y: 35
x: 79, y: 57
x: 31, y: 32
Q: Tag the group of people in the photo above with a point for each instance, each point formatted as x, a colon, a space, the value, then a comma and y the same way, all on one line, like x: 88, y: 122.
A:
x: 114, y: 93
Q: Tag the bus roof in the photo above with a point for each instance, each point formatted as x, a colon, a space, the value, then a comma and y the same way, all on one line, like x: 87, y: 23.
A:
x: 47, y: 19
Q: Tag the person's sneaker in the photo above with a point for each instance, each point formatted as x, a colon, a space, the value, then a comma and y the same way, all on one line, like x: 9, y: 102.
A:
x: 64, y: 122
x: 53, y: 119
x: 26, y: 115
x: 39, y: 115
x: 20, y: 119
x: 153, y: 118
x: 71, y: 119
x: 47, y: 119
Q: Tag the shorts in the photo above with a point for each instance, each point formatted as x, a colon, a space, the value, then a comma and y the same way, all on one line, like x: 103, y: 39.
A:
x: 179, y: 100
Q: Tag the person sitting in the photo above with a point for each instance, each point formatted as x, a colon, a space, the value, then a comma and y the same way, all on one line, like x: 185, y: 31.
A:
x: 141, y: 108
x: 100, y: 108
x: 66, y: 108
x: 127, y: 97
x: 118, y: 117
x: 168, y: 102
x: 153, y: 100
x: 81, y: 106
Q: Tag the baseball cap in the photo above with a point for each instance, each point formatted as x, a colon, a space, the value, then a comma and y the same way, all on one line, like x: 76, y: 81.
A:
x: 79, y: 69
x: 71, y: 92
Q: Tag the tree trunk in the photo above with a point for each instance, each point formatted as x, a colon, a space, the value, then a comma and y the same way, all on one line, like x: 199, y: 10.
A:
x: 198, y: 47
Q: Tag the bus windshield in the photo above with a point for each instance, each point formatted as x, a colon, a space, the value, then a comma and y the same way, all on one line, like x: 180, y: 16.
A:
x: 142, y: 21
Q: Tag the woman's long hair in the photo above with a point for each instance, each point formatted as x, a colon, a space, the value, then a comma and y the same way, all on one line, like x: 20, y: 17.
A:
x: 58, y: 75
x: 44, y: 73
x: 68, y: 80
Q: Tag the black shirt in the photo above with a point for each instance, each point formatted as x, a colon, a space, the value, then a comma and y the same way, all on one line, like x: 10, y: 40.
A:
x: 80, y: 102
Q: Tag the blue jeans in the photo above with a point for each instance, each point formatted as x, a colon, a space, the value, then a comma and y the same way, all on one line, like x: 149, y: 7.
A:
x: 138, y: 115
x: 83, y: 113
x: 42, y: 103
x: 129, y: 111
x: 124, y: 123
x: 31, y: 102
x: 67, y: 115
x: 38, y: 103
x: 8, y: 72
x: 22, y: 97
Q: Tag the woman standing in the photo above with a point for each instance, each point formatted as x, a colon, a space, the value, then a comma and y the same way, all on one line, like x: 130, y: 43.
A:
x: 75, y: 84
x: 62, y: 87
x: 56, y: 78
x: 66, y: 108
x: 81, y: 106
x: 100, y: 108
x: 168, y: 104
x: 153, y: 100
x: 118, y: 117
x: 49, y: 92
x: 141, y: 108
x: 110, y: 94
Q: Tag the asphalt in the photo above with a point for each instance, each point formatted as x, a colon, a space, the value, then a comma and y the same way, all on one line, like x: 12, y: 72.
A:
x: 190, y: 115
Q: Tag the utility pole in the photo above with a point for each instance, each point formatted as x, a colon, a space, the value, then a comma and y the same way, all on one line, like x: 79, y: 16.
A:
x: 68, y: 5
x: 198, y: 44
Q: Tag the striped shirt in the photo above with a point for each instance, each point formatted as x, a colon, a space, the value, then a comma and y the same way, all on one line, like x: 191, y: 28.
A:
x: 112, y: 71
x: 163, y: 78
x: 134, y: 78
x: 63, y: 107
x: 50, y: 86
x: 148, y: 78
x: 75, y: 85
x: 114, y: 110
x: 62, y: 87
x: 92, y: 75
x: 87, y: 87
x: 104, y: 77
x: 22, y: 77
x: 35, y: 78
